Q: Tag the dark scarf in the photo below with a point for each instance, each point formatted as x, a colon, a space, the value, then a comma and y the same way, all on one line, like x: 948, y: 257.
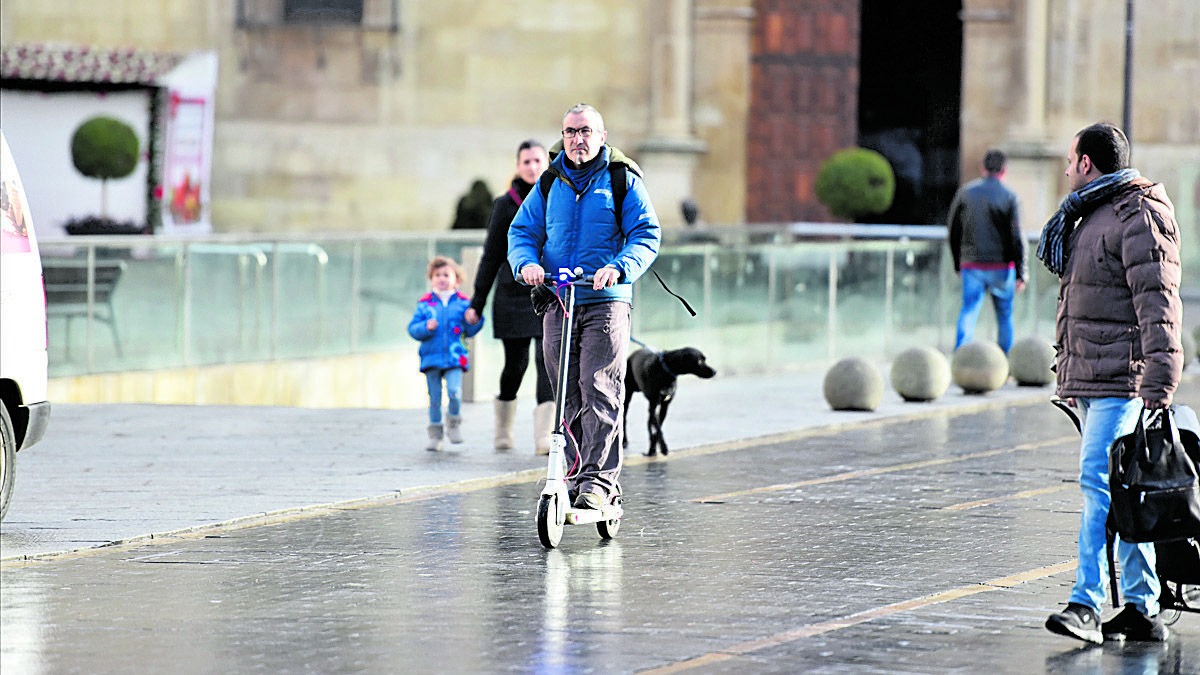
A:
x: 519, y: 190
x: 1054, y: 249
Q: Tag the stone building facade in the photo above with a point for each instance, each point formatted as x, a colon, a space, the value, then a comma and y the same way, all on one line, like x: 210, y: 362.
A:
x: 380, y: 121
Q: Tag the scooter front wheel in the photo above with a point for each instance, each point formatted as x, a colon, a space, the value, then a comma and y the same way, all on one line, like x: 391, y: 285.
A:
x: 549, y: 521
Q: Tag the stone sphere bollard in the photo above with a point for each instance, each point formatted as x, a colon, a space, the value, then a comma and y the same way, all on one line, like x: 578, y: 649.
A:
x: 853, y: 384
x: 1029, y: 361
x: 920, y: 374
x: 979, y: 367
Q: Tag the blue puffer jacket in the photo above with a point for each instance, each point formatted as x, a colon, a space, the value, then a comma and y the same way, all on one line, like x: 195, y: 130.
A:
x: 445, y: 346
x: 577, y: 227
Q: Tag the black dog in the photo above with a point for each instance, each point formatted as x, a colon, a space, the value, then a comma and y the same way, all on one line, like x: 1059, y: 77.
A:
x: 654, y: 374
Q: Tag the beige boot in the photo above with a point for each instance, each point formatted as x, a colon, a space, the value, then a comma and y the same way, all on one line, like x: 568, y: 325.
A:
x: 453, y: 432
x: 543, y: 426
x: 435, y: 438
x: 504, y: 423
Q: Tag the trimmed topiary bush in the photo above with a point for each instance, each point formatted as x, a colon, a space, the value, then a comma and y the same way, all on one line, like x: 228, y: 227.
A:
x: 856, y: 182
x: 979, y: 367
x: 105, y: 148
x: 921, y: 374
x: 853, y: 384
x: 1029, y: 361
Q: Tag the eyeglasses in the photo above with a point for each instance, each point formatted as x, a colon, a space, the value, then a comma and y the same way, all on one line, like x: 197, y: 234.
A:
x: 584, y: 132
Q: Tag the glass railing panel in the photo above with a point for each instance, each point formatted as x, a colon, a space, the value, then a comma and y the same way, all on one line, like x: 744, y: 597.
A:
x: 391, y: 280
x: 798, y: 307
x: 863, y: 312
x: 761, y: 306
x: 919, y: 297
x: 228, y: 313
x: 134, y: 306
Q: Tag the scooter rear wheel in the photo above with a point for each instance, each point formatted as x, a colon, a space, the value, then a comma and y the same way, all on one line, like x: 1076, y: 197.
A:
x: 608, y: 528
x: 549, y: 521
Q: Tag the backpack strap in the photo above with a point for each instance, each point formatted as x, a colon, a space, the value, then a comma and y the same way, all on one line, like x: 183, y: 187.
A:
x: 544, y: 184
x: 616, y: 171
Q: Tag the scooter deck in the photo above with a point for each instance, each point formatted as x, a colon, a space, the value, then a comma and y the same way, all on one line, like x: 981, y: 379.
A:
x: 583, y: 516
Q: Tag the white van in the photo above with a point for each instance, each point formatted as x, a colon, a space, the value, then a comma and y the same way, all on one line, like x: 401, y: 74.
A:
x: 25, y: 412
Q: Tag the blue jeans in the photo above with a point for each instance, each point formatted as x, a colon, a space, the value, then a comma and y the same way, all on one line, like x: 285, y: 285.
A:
x: 453, y: 378
x: 1001, y: 284
x: 1104, y: 421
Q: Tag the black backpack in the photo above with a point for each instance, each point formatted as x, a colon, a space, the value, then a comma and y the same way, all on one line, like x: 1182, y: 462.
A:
x: 618, y: 166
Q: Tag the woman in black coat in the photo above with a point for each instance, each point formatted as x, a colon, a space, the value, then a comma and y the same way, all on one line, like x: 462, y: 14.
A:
x: 513, y: 319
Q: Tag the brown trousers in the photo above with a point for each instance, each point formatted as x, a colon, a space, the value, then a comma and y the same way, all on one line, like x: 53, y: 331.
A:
x: 595, y: 391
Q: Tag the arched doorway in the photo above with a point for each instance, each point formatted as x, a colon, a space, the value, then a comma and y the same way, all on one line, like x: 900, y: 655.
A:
x: 909, y: 100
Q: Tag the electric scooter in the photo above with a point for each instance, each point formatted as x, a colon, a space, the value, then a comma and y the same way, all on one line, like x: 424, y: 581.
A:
x: 554, y: 509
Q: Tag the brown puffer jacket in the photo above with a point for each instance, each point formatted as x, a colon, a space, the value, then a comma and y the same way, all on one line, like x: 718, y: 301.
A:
x: 1119, y: 312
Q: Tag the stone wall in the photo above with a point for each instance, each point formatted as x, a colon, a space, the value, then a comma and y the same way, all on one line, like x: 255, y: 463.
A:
x: 365, y: 128
x: 357, y: 129
x: 1037, y: 71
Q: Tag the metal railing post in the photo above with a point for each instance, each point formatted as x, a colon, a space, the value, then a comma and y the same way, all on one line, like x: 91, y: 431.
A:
x: 89, y: 332
x: 831, y: 331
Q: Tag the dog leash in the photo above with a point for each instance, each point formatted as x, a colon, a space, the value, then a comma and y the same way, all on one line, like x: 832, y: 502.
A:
x: 677, y: 296
x: 662, y: 363
x: 657, y: 352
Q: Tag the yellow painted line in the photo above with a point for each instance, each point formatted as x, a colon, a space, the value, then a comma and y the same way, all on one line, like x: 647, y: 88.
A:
x: 861, y: 617
x: 996, y: 500
x: 849, y: 475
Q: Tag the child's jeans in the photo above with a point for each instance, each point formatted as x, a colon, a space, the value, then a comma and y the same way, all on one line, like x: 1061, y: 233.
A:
x: 453, y: 378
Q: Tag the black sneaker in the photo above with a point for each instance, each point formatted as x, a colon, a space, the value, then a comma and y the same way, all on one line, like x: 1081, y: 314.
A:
x: 1077, y: 621
x: 588, y: 500
x: 1131, y: 624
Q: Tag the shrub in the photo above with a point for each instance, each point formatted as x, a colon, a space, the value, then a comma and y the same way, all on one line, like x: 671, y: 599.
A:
x: 856, y: 182
x: 104, y: 148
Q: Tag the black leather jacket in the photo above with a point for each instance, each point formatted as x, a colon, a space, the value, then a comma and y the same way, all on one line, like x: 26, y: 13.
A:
x: 984, y: 225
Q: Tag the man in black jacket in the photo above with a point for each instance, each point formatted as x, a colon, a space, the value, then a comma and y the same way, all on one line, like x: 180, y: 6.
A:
x: 985, y: 239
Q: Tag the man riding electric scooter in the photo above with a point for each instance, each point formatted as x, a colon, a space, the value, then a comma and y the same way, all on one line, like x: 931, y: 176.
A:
x: 574, y: 226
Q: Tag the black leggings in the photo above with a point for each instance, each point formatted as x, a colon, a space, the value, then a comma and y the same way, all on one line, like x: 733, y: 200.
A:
x: 516, y: 361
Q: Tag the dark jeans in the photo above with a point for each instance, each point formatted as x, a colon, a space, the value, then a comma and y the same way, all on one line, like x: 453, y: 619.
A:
x: 595, y: 391
x: 516, y: 362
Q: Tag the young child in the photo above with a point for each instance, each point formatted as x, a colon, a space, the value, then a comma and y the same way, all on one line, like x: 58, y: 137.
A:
x: 442, y: 329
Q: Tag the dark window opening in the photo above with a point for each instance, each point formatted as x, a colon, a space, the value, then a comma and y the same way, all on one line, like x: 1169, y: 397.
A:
x: 323, y: 11
x: 909, y: 100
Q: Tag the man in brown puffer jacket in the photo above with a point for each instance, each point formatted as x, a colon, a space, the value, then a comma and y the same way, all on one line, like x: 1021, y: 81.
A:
x: 1119, y: 350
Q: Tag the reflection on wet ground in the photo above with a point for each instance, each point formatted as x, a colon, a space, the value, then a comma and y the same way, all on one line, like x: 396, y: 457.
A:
x: 926, y: 546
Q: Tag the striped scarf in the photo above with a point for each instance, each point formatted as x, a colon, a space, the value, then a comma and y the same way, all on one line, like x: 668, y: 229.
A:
x: 1054, y: 247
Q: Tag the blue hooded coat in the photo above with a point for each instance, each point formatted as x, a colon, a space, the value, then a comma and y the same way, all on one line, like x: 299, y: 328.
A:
x: 446, y: 346
x: 576, y: 226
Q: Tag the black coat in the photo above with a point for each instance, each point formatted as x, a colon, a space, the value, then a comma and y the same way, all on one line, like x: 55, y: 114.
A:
x: 512, y: 310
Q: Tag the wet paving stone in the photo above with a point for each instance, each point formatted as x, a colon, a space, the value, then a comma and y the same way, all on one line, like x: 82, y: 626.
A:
x: 935, y: 545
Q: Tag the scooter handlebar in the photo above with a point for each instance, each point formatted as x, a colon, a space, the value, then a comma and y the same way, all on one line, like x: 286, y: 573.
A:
x: 576, y: 277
